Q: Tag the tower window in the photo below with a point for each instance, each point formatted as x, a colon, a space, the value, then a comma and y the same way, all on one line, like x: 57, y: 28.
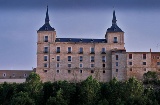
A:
x: 57, y: 71
x: 103, y: 58
x: 92, y: 58
x: 45, y: 49
x: 57, y: 65
x: 58, y: 50
x: 144, y: 63
x: 80, y: 71
x: 144, y: 56
x: 92, y: 65
x: 92, y: 50
x: 104, y: 71
x: 103, y: 51
x: 45, y: 38
x: 130, y: 63
x: 116, y: 57
x: 69, y: 65
x: 158, y: 63
x: 116, y: 70
x: 116, y: 63
x: 69, y: 58
x: 58, y: 58
x: 80, y: 65
x: 45, y: 58
x: 115, y: 40
x: 45, y: 64
x: 69, y: 71
x: 69, y: 49
x: 130, y: 56
x: 103, y: 65
x: 92, y: 71
x: 81, y: 50
x: 80, y: 58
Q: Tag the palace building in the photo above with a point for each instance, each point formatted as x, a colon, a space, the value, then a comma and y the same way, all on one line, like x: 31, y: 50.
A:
x: 74, y: 59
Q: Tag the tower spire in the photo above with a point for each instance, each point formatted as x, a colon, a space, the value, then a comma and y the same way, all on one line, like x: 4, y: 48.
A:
x: 47, y: 16
x: 114, y: 18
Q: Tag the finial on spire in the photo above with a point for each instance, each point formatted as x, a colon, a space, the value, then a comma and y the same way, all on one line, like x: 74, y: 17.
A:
x: 114, y: 18
x: 47, y: 16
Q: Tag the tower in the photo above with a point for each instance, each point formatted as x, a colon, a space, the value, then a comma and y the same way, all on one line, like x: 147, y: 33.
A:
x: 114, y: 35
x: 46, y: 36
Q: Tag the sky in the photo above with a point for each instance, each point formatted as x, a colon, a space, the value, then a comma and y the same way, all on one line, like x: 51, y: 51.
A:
x: 20, y: 20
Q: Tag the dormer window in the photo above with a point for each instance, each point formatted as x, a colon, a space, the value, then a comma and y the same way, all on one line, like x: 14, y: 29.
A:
x: 115, y: 40
x: 46, y: 28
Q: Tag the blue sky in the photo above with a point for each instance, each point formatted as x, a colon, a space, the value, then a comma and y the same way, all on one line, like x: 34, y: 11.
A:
x: 20, y: 20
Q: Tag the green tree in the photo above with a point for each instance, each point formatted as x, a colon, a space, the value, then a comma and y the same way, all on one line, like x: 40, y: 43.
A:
x: 89, y: 92
x: 150, y: 77
x: 22, y: 99
x: 58, y: 99
x: 34, y: 88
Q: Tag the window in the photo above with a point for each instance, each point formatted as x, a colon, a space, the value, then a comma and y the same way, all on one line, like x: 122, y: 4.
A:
x: 116, y: 57
x: 92, y: 50
x: 130, y: 63
x: 58, y: 50
x: 45, y: 38
x: 25, y: 75
x: 4, y: 74
x: 45, y: 49
x: 92, y: 71
x: 103, y: 58
x: 103, y: 51
x: 115, y: 40
x: 81, y: 50
x: 69, y: 58
x: 92, y: 58
x: 144, y: 63
x: 103, y: 65
x: 58, y: 58
x: 45, y: 65
x: 144, y: 56
x: 104, y: 71
x: 69, y: 65
x: 144, y: 69
x: 92, y: 65
x: 130, y: 69
x: 158, y: 63
x: 80, y: 71
x: 13, y: 75
x: 116, y: 63
x: 80, y: 65
x: 57, y: 65
x: 130, y: 56
x: 45, y: 58
x: 45, y: 71
x: 69, y: 50
x: 57, y: 71
x: 69, y: 71
x: 116, y: 70
x: 80, y: 58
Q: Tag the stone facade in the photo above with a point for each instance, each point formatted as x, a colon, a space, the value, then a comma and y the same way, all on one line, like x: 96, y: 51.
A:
x: 74, y: 59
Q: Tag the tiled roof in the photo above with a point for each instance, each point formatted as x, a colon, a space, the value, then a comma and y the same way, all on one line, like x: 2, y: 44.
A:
x: 81, y: 40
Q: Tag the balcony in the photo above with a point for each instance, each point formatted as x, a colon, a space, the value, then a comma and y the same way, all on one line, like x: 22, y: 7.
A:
x: 92, y: 60
x: 57, y: 51
x: 80, y: 52
x: 103, y: 61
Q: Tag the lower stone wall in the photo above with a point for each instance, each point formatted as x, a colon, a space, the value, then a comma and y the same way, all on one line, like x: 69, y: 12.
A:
x: 12, y: 80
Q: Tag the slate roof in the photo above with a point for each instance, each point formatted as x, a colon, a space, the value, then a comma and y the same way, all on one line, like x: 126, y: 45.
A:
x: 46, y: 26
x: 81, y: 40
x: 114, y: 27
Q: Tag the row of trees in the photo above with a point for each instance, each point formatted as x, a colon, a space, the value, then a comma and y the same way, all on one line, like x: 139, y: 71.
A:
x: 88, y: 92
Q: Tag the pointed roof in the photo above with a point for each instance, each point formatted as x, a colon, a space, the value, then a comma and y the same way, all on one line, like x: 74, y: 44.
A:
x: 114, y: 27
x: 46, y: 26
